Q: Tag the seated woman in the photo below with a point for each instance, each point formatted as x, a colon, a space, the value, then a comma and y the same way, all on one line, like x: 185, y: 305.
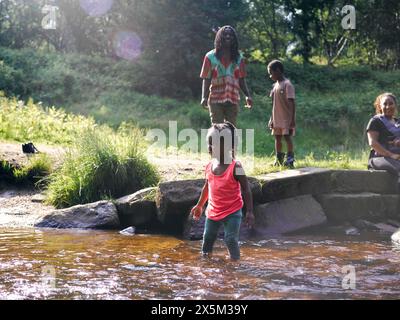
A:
x: 383, y: 132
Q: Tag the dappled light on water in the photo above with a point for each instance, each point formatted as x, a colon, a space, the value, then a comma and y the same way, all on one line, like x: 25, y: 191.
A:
x: 60, y: 264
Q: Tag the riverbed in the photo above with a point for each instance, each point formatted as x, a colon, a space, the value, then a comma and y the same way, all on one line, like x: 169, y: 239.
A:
x: 82, y: 264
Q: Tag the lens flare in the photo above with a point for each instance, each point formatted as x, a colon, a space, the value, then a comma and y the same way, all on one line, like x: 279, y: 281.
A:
x: 127, y: 45
x: 96, y: 8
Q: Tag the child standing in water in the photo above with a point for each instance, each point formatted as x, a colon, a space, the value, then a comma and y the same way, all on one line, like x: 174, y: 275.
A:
x: 283, y: 119
x: 225, y: 178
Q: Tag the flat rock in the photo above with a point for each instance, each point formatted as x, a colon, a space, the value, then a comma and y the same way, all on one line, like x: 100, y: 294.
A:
x: 365, y: 225
x: 293, y: 183
x: 361, y: 181
x: 386, y: 228
x: 341, y: 208
x: 97, y: 215
x: 289, y: 215
x: 394, y: 223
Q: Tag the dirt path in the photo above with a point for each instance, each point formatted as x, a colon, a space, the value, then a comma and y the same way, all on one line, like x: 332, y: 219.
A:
x: 21, y: 208
x: 12, y: 152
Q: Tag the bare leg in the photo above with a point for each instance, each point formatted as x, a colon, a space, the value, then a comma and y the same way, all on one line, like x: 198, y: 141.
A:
x: 289, y: 143
x: 278, y: 144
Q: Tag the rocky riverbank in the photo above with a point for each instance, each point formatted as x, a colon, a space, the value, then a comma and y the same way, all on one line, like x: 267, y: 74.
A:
x: 345, y: 201
x: 285, y: 202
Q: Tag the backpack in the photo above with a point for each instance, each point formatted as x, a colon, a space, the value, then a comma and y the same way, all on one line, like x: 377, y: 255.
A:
x: 29, y: 148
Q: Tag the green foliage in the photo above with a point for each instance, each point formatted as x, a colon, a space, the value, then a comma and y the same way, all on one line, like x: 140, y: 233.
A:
x: 6, y: 171
x: 333, y: 104
x: 24, y: 122
x: 37, y: 168
x: 101, y: 166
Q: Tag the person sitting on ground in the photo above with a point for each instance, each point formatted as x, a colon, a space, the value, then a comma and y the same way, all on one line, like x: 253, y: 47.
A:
x: 383, y: 131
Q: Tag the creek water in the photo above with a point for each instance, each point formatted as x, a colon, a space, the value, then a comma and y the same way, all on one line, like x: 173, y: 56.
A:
x: 76, y: 264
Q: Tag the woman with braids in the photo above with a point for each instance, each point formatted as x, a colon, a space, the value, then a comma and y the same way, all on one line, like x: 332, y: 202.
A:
x: 383, y: 132
x: 223, y: 75
x: 225, y: 182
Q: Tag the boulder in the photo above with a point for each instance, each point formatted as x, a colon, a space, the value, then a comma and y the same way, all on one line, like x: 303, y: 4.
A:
x: 396, y: 237
x: 293, y: 183
x: 341, y: 208
x: 394, y: 223
x: 192, y: 229
x: 174, y: 201
x: 255, y: 187
x: 360, y: 181
x: 352, y: 231
x: 137, y: 209
x: 365, y: 225
x: 386, y: 228
x: 289, y: 215
x: 97, y: 215
x: 130, y: 231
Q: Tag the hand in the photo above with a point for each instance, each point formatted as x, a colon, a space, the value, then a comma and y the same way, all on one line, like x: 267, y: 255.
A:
x: 204, y: 103
x: 249, y: 103
x: 293, y: 124
x: 395, y: 156
x: 250, y: 219
x: 270, y: 124
x: 196, y: 212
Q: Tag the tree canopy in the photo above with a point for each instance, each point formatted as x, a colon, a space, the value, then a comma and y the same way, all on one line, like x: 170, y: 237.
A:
x: 167, y: 39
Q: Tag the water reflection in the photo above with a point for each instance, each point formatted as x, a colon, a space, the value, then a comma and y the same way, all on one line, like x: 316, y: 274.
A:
x: 107, y: 265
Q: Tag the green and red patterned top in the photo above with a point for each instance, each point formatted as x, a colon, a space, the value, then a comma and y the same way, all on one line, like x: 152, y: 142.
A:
x: 224, y: 77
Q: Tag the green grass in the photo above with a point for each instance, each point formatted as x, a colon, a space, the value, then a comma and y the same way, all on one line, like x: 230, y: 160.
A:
x: 38, y: 167
x: 101, y: 162
x: 32, y: 122
x: 101, y: 166
x: 94, y: 93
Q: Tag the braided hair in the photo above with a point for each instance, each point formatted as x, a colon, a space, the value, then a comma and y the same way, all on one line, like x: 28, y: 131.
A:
x: 234, y: 46
x: 220, y: 127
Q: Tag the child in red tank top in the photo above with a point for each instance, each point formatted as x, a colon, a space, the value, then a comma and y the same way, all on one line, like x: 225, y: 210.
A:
x: 225, y: 179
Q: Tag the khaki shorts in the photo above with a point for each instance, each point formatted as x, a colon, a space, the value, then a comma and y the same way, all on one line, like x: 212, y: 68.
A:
x: 220, y: 112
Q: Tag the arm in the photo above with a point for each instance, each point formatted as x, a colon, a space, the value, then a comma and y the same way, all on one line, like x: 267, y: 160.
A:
x: 248, y: 197
x: 197, y: 210
x: 292, y: 105
x: 245, y: 89
x: 271, y: 119
x: 373, y: 141
x: 205, y: 92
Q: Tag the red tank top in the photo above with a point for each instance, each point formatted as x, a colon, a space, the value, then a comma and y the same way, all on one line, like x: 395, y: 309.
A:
x: 224, y: 196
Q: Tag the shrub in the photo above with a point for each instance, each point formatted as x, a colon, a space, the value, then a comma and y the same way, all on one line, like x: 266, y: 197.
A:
x: 37, y: 168
x: 101, y: 166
